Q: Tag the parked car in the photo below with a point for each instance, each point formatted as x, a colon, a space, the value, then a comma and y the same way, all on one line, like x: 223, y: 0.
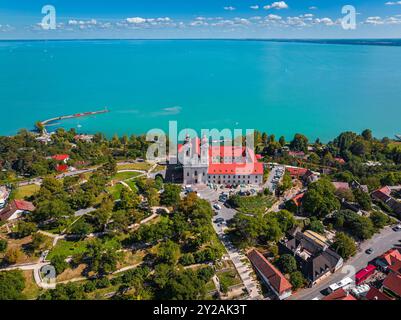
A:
x: 397, y: 228
x: 216, y: 206
x: 369, y: 251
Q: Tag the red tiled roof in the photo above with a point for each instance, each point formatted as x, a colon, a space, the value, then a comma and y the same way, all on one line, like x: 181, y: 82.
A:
x: 376, y: 294
x: 391, y: 256
x: 296, y: 171
x: 297, y: 199
x: 340, y: 160
x: 341, y: 185
x: 339, y: 294
x: 274, y: 276
x: 396, y: 267
x: 60, y: 157
x: 61, y: 167
x: 236, y: 168
x: 24, y: 205
x: 386, y: 190
x: 393, y: 283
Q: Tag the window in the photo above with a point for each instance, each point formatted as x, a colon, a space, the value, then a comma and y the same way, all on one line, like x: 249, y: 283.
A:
x: 187, y: 174
x: 196, y: 173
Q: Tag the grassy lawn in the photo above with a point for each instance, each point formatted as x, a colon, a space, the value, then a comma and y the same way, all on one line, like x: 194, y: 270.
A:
x: 145, y: 166
x: 132, y: 258
x: 230, y: 277
x: 132, y: 185
x: 253, y: 204
x: 31, y: 290
x: 159, y: 168
x: 26, y: 191
x: 210, y: 286
x: 67, y: 248
x: 125, y: 175
x: 115, y: 191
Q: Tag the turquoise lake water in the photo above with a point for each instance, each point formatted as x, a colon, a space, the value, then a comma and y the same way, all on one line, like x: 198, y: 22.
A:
x: 282, y: 88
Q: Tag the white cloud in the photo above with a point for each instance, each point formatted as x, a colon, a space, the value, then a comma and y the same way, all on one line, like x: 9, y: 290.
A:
x: 229, y: 8
x: 273, y: 17
x: 255, y: 7
x: 374, y: 20
x: 393, y: 3
x: 313, y: 8
x: 136, y: 20
x: 276, y: 5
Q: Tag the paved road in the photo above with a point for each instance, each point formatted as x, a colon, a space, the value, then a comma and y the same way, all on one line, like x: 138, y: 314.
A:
x: 235, y: 255
x: 380, y: 243
x: 274, y: 171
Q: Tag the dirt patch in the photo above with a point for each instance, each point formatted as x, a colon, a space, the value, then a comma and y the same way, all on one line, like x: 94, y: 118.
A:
x: 69, y: 274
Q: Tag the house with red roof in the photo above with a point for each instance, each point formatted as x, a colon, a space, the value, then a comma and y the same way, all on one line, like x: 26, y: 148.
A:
x: 339, y: 294
x: 376, y: 294
x: 61, y: 157
x: 270, y: 275
x: 296, y: 172
x: 15, y: 209
x: 219, y: 164
x: 384, y: 195
x: 392, y: 285
x: 388, y: 259
x: 61, y: 168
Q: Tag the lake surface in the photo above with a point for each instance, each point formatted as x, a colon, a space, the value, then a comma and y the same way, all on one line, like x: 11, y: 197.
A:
x: 278, y: 87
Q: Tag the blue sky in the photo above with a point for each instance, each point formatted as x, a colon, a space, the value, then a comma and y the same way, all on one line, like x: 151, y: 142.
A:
x: 20, y: 19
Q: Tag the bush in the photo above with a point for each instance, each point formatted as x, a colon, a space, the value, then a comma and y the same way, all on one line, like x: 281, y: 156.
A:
x: 187, y: 259
x: 3, y: 245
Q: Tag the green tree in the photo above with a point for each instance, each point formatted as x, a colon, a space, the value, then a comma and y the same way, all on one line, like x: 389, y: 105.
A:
x: 287, y: 263
x: 81, y: 228
x: 297, y: 280
x: 363, y: 199
x: 25, y: 229
x: 12, y: 283
x: 344, y: 245
x: 59, y: 263
x: 69, y: 291
x: 171, y: 195
x: 299, y: 143
x: 316, y: 225
x: 169, y: 252
x: 320, y: 199
x: 379, y: 219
